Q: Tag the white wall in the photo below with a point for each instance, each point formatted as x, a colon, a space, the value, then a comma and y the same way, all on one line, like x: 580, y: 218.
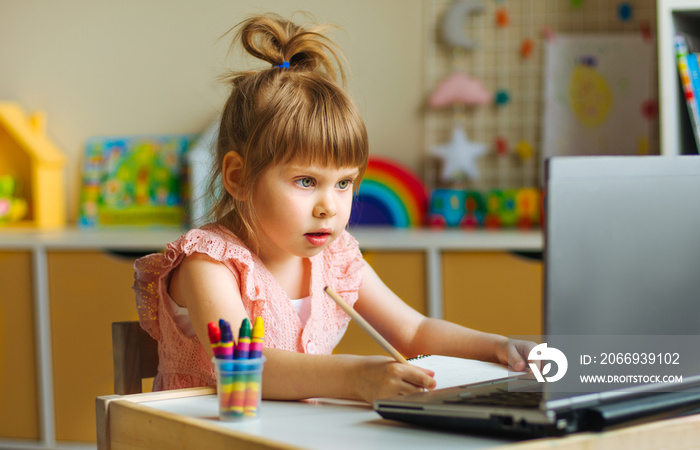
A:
x: 129, y: 67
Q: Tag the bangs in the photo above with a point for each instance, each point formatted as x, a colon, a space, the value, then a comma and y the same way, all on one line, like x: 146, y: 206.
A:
x: 322, y: 127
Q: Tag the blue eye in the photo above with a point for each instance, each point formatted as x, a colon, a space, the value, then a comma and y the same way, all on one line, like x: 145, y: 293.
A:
x: 305, y: 182
x: 344, y: 184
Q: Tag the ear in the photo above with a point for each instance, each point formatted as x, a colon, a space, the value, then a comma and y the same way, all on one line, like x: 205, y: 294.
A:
x: 231, y: 174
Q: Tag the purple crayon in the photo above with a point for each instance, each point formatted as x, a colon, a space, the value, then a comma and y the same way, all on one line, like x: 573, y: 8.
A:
x: 256, y: 342
x: 226, y: 343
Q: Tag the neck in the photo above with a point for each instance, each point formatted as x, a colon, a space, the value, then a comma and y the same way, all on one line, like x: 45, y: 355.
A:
x: 292, y: 274
x: 280, y: 264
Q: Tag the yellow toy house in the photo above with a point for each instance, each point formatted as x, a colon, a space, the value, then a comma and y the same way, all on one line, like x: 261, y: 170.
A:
x: 32, y: 180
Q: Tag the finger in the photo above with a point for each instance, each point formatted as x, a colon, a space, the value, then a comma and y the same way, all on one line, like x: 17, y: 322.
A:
x: 525, y: 348
x: 420, y: 377
x: 431, y: 373
x: 411, y: 389
x: 515, y: 359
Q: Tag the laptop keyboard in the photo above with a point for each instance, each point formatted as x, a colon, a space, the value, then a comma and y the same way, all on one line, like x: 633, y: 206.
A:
x: 500, y: 398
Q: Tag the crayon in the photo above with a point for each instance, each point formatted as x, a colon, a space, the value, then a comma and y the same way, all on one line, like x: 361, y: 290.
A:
x: 256, y: 342
x: 243, y: 347
x: 226, y: 342
x: 252, y: 394
x: 237, y: 398
x: 214, y: 338
x: 226, y: 352
x: 240, y: 381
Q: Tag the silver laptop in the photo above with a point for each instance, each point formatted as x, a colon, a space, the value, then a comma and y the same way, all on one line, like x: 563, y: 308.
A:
x: 621, y: 257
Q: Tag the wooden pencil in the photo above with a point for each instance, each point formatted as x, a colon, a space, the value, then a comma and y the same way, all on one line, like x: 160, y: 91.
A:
x: 374, y: 334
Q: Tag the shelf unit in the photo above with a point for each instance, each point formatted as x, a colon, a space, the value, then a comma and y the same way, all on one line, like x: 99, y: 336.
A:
x: 675, y: 129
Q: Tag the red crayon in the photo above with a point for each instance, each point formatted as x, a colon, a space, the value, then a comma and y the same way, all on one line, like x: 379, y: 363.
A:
x: 215, y: 338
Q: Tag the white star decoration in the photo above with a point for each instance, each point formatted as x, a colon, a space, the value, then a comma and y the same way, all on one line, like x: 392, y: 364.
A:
x: 459, y: 156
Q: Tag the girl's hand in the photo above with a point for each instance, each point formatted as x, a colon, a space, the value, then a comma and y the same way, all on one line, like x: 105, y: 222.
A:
x: 380, y: 377
x: 514, y: 353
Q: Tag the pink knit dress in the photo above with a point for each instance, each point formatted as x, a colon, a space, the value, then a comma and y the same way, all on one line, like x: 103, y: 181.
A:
x: 182, y: 359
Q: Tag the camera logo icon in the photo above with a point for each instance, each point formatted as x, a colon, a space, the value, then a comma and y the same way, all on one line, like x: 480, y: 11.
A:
x: 543, y: 353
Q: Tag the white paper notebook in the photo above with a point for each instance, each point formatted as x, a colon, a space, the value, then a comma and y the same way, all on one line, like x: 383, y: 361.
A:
x: 450, y: 371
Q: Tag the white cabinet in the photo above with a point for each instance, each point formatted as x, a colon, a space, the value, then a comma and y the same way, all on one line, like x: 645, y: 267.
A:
x: 675, y: 129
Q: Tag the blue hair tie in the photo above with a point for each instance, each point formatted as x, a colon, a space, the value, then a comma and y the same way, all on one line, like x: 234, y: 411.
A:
x: 284, y: 65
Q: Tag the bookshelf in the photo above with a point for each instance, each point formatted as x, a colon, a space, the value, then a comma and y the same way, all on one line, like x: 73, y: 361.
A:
x: 676, y: 133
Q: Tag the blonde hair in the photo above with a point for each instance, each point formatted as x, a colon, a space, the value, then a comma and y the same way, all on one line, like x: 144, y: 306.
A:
x: 279, y: 115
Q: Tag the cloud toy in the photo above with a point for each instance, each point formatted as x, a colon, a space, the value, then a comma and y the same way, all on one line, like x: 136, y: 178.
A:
x: 458, y: 88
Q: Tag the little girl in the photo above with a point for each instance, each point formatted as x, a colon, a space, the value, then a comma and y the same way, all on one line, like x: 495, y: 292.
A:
x: 291, y: 151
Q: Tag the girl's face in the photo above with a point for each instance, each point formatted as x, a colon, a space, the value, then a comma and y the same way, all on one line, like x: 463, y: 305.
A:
x: 301, y: 209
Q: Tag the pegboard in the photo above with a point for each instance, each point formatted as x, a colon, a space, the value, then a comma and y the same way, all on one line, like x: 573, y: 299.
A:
x: 497, y: 62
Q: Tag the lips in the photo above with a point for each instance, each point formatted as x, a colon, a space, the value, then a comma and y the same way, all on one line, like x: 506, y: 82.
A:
x: 318, y: 238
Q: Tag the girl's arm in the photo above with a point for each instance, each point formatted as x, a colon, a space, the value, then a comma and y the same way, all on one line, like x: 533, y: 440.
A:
x: 414, y: 334
x: 210, y: 291
x: 293, y: 376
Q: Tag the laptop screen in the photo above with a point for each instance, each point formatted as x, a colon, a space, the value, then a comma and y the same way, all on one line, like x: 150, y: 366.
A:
x: 622, y: 245
x: 622, y: 251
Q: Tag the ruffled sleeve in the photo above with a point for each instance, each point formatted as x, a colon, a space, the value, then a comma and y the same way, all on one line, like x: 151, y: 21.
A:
x: 146, y: 280
x: 152, y: 272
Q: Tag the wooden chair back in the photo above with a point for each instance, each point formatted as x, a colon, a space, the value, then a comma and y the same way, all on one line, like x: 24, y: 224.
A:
x: 135, y: 356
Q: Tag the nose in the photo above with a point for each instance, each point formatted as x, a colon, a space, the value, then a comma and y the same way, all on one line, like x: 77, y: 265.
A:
x: 326, y: 206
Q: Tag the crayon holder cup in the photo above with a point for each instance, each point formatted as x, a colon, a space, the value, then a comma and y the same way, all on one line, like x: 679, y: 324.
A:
x: 239, y: 387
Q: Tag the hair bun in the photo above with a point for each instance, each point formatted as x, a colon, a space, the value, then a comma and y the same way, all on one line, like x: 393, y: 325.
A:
x: 275, y: 40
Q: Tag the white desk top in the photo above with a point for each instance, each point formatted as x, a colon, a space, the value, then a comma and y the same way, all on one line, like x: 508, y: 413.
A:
x: 171, y: 419
x: 326, y: 424
x: 374, y: 238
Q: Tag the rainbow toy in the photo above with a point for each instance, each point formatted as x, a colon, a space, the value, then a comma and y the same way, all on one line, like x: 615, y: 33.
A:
x: 390, y: 194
